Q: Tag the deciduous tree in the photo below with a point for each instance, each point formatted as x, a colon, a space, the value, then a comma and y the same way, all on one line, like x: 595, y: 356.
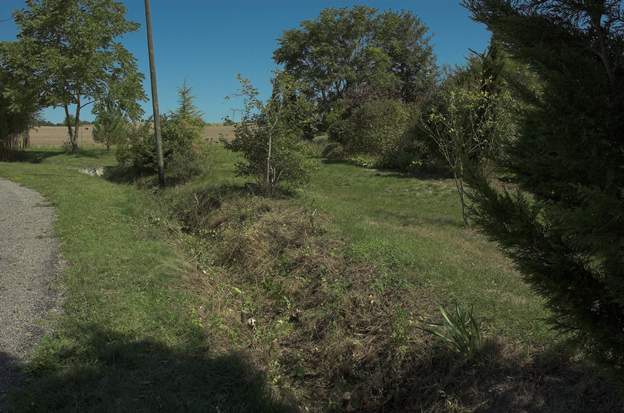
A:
x: 359, y: 53
x: 19, y: 105
x: 111, y: 125
x: 471, y: 118
x: 269, y: 134
x: 71, y: 48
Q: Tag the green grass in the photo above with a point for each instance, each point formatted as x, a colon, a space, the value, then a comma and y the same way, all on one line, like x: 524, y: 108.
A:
x: 413, y: 227
x: 132, y: 335
x: 127, y: 339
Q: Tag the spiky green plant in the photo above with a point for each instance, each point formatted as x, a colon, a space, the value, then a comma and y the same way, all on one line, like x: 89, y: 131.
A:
x: 460, y: 330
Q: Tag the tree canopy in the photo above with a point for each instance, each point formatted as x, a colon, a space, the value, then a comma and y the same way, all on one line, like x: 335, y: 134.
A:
x: 359, y: 53
x: 19, y: 103
x: 70, y: 49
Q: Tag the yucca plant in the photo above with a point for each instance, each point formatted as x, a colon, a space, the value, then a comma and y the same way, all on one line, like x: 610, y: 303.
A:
x: 460, y: 330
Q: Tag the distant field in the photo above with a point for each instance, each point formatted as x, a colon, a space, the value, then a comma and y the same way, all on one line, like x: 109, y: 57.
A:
x: 57, y: 135
x: 213, y: 133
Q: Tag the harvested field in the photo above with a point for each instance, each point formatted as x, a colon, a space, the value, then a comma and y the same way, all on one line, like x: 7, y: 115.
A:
x: 57, y: 135
x: 213, y: 133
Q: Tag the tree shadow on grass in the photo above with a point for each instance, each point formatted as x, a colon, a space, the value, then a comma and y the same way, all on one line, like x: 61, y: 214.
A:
x: 10, y: 374
x: 31, y: 156
x: 425, y: 174
x: 407, y: 220
x: 500, y: 380
x: 120, y: 174
x: 112, y: 372
x: 40, y: 155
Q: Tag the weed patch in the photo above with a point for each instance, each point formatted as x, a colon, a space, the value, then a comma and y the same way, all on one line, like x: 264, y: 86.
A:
x: 330, y: 330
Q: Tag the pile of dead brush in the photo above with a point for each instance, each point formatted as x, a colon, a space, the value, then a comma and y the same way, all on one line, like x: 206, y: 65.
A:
x: 333, y: 333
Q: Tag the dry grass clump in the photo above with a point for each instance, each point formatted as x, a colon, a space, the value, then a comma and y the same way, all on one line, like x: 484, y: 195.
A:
x: 330, y: 331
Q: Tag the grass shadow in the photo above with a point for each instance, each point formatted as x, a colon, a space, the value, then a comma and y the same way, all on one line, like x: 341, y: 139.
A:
x: 500, y: 380
x: 113, y: 372
x: 120, y: 174
x: 422, y: 173
x: 10, y: 375
x: 40, y: 154
x: 425, y: 174
x: 32, y: 156
x: 411, y: 220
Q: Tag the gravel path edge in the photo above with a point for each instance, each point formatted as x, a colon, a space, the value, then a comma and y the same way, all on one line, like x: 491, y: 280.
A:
x: 30, y: 266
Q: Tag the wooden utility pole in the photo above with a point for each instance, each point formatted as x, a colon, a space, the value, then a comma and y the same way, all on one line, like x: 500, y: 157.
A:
x: 150, y: 47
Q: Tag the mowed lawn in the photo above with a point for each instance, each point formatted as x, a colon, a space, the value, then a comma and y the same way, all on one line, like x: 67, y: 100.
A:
x: 413, y: 227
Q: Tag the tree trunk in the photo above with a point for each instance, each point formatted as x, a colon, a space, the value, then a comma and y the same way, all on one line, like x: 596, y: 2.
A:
x: 459, y: 184
x: 26, y: 138
x: 76, y: 127
x: 268, y: 165
x: 70, y: 130
x: 463, y: 202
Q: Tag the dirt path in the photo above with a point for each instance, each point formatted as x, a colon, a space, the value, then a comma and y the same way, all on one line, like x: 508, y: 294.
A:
x: 29, y: 264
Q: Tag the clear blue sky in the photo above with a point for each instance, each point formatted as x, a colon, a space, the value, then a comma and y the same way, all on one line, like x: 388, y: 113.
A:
x: 209, y: 42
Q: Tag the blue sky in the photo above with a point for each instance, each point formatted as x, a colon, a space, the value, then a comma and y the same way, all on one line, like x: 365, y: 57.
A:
x: 207, y: 42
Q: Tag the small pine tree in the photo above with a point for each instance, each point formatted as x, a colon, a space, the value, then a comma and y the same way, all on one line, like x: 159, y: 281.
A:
x: 181, y: 141
x: 186, y: 105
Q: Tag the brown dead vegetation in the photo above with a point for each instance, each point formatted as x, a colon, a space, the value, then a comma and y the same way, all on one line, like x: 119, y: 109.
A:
x: 335, y: 334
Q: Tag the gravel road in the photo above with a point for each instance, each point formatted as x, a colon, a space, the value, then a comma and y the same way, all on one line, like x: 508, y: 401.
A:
x: 29, y: 265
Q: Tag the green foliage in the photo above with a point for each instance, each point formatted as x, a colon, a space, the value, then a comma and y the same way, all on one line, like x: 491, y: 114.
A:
x: 460, y: 331
x: 186, y: 106
x: 110, y: 127
x: 564, y: 227
x: 470, y: 119
x: 360, y: 54
x: 69, y: 50
x: 376, y: 127
x: 415, y: 153
x: 334, y: 152
x: 269, y: 135
x: 181, y: 142
x: 19, y: 104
